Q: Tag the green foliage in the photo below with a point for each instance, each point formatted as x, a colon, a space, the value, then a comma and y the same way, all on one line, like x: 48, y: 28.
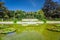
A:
x: 15, y: 21
x: 41, y: 16
x: 44, y: 20
x: 11, y: 14
x: 19, y: 14
x: 51, y: 9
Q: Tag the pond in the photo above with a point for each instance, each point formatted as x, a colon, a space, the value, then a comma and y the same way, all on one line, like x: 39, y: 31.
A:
x: 31, y: 32
x: 24, y: 36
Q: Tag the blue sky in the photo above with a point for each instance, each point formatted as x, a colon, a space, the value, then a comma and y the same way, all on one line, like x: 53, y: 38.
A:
x: 26, y: 5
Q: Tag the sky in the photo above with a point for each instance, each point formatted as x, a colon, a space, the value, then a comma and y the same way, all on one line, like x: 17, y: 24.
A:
x: 25, y: 5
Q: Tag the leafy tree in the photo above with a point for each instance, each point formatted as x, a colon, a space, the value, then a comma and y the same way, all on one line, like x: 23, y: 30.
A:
x: 30, y: 15
x: 50, y: 9
x: 20, y: 14
x: 41, y: 16
x: 11, y: 14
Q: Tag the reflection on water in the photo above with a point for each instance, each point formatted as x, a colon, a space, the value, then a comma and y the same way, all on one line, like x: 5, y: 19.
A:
x: 24, y: 36
x: 4, y: 35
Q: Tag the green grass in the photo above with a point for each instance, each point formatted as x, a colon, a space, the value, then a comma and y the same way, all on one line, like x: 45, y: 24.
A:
x: 40, y: 29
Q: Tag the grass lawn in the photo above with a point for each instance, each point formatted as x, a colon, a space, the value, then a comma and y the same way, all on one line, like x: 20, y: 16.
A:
x: 32, y: 32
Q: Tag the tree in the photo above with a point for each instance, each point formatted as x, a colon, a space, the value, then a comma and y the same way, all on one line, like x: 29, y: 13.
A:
x: 50, y: 9
x: 19, y: 14
x: 11, y: 14
x: 30, y: 15
x: 41, y: 16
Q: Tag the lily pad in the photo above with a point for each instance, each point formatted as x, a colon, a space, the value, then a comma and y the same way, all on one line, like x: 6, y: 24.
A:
x: 7, y: 30
x: 58, y: 25
x: 3, y: 27
x: 55, y: 29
